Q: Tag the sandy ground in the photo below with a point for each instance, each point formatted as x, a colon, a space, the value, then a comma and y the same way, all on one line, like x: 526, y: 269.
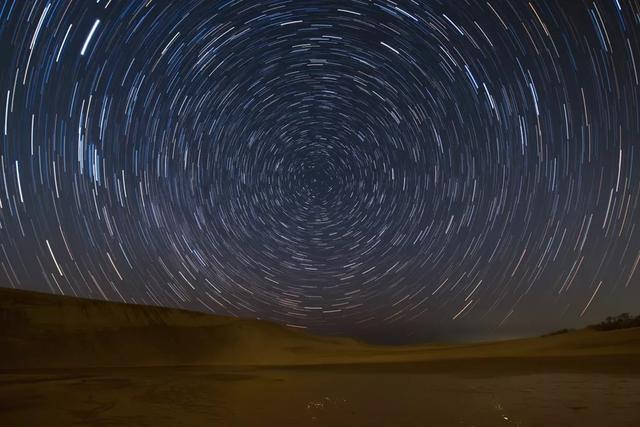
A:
x: 65, y: 362
x: 323, y: 397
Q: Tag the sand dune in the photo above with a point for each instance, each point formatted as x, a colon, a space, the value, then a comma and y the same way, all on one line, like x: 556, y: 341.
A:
x: 47, y: 331
x: 68, y: 361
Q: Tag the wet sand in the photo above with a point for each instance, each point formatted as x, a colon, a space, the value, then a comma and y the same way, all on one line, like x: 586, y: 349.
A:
x: 207, y: 396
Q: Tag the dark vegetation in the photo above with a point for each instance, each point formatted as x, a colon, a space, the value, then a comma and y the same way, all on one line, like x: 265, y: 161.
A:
x: 558, y: 332
x: 621, y: 321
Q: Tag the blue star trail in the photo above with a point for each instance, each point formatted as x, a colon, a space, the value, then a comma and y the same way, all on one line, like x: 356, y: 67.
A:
x: 350, y: 167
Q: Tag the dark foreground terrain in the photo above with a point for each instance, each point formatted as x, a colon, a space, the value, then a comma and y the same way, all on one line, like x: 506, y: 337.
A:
x: 66, y: 361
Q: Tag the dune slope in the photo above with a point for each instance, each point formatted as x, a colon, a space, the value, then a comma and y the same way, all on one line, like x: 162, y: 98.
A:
x: 48, y: 331
x: 41, y: 330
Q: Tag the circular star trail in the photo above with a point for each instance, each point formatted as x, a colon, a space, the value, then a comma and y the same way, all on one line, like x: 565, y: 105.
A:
x: 351, y: 167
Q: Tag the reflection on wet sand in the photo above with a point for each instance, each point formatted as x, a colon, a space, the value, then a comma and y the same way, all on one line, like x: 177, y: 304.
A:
x: 323, y: 397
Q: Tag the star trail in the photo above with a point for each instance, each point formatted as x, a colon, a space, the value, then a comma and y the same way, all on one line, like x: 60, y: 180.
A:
x: 353, y: 167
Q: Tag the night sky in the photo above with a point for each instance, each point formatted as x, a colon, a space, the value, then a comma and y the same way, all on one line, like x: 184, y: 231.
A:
x: 395, y: 171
